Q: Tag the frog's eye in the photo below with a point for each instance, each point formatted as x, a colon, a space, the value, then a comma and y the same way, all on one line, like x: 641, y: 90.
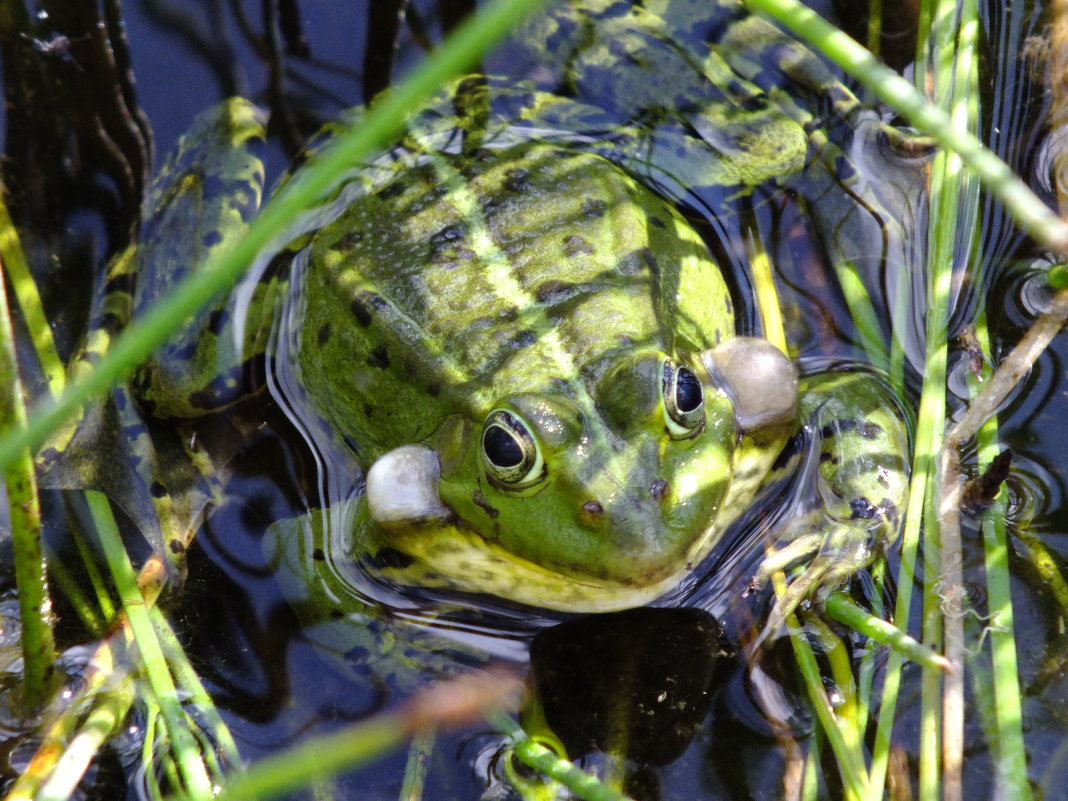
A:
x: 510, y: 453
x: 684, y: 400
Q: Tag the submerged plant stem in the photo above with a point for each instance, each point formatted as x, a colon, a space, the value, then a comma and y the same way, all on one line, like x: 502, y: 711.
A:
x: 104, y: 677
x: 855, y: 777
x: 104, y: 718
x: 419, y: 753
x: 189, y: 683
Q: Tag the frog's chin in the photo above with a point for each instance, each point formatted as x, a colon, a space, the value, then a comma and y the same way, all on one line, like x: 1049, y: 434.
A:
x: 464, y: 562
x: 404, y: 503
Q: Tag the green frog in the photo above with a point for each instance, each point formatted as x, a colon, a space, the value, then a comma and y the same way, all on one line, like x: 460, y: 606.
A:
x: 511, y: 328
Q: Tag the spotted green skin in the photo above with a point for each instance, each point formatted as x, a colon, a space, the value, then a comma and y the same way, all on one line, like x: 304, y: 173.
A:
x: 439, y: 330
x: 539, y: 278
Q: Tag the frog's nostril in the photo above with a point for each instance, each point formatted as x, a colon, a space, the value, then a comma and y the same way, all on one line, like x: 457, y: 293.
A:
x: 659, y: 489
x: 591, y: 512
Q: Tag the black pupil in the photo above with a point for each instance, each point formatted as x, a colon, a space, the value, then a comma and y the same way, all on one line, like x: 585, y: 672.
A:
x: 501, y: 447
x: 687, y: 390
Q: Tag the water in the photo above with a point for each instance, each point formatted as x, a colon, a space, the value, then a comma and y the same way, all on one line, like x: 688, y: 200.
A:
x: 277, y: 681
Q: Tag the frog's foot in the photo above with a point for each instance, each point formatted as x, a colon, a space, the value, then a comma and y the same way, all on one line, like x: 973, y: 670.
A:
x: 860, y: 483
x: 832, y: 559
x: 908, y: 144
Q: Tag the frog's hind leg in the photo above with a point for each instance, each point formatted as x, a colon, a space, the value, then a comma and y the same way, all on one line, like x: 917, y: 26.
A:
x: 860, y: 486
x: 832, y: 558
x: 202, y: 202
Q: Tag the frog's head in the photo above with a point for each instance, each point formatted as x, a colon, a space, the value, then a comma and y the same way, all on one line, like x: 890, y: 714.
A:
x: 595, y: 506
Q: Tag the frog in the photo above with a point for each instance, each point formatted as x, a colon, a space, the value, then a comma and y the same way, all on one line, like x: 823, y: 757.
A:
x: 523, y: 345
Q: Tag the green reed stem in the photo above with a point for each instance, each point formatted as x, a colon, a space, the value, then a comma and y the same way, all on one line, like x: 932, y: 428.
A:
x: 929, y: 428
x: 415, y: 769
x: 347, y: 749
x: 150, y: 727
x: 67, y: 585
x: 106, y: 715
x: 1008, y: 748
x: 101, y: 591
x: 810, y: 786
x: 537, y: 757
x: 307, y: 188
x: 845, y: 703
x: 195, y: 778
x: 842, y: 608
x: 445, y: 705
x: 29, y: 299
x: 31, y: 575
x: 194, y: 690
x: 953, y: 210
x: 995, y: 175
x: 930, y: 746
x: 854, y: 775
x: 869, y: 330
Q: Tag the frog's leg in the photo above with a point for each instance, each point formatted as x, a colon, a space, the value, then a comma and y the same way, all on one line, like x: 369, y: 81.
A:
x: 202, y: 202
x: 860, y: 485
x: 784, y: 69
x: 153, y: 475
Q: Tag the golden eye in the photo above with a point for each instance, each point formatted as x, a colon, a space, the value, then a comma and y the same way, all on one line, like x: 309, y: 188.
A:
x: 684, y: 400
x: 510, y: 453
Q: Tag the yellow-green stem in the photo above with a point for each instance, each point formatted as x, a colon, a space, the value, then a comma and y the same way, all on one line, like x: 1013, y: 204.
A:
x: 29, y: 300
x: 840, y: 607
x: 35, y: 605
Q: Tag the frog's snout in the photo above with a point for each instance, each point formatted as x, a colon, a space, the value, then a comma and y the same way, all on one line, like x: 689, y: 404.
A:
x: 592, y: 512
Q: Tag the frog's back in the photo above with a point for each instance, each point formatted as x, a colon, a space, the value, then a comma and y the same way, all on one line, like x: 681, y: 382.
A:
x: 524, y: 270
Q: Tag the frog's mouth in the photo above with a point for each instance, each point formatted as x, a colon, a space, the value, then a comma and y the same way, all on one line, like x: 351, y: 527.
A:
x: 404, y: 501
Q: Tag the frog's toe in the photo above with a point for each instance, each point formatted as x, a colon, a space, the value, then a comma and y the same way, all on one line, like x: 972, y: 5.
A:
x: 799, y: 549
x: 798, y: 591
x: 402, y: 487
x: 907, y: 144
x: 833, y: 559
